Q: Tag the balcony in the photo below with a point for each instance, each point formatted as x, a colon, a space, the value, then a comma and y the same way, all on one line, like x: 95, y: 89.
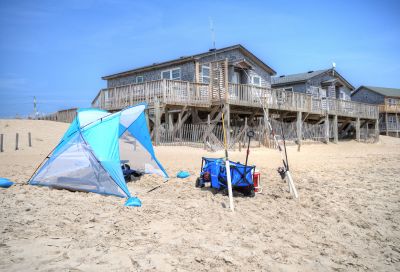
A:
x: 389, y: 108
x: 203, y: 95
x: 254, y: 96
x: 164, y: 91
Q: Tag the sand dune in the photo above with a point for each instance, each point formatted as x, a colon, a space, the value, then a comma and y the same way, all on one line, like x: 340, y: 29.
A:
x: 347, y: 217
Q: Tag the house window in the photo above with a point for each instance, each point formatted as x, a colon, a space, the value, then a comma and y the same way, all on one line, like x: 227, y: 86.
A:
x: 289, y: 89
x: 342, y: 95
x: 139, y: 79
x: 205, y: 74
x: 256, y: 80
x: 392, y: 101
x: 391, y: 119
x: 174, y: 74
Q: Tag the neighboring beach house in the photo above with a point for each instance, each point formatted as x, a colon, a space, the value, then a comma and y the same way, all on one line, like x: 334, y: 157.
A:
x: 197, y: 89
x: 388, y: 100
x: 321, y: 84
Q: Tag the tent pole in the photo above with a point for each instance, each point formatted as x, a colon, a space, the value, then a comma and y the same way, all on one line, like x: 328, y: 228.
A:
x: 47, y: 157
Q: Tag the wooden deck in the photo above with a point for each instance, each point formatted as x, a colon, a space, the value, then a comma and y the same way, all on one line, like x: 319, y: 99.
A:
x: 389, y: 108
x: 184, y: 93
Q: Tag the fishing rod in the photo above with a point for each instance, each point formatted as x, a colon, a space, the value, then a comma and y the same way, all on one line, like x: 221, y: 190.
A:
x: 283, y: 171
x: 227, y: 163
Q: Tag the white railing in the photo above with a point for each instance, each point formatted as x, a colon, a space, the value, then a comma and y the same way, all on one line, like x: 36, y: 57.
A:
x: 249, y: 95
x: 389, y: 108
x: 199, y: 94
x: 167, y: 91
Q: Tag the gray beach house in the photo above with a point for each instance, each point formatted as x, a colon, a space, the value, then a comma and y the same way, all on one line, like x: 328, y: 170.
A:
x: 388, y: 100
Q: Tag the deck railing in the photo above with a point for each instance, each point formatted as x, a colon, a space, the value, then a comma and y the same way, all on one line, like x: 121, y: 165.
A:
x: 390, y: 126
x: 249, y: 95
x: 389, y: 108
x: 167, y: 91
x: 199, y: 94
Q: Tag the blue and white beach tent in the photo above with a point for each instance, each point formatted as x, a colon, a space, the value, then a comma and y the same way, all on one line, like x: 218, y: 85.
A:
x: 88, y: 157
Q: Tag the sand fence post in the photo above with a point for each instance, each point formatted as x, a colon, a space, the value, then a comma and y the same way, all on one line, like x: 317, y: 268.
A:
x: 16, y: 141
x: 29, y: 139
x: 1, y: 142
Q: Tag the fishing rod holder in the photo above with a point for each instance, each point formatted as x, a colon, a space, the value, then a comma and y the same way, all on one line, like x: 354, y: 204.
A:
x: 282, y: 172
x: 250, y: 134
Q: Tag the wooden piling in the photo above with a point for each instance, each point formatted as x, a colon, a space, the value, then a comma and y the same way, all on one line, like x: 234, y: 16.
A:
x: 16, y: 141
x: 335, y: 129
x: 157, y: 121
x: 299, y: 129
x: 1, y: 142
x: 29, y: 139
x: 358, y: 135
x: 376, y: 130
x: 326, y: 128
x: 387, y: 123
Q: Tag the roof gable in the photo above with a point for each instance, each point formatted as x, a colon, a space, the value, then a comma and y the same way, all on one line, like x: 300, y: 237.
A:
x: 300, y: 77
x: 391, y: 92
x: 303, y: 77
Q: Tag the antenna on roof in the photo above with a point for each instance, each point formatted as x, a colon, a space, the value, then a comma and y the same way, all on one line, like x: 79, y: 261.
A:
x: 34, y: 108
x: 212, y: 34
x: 333, y: 68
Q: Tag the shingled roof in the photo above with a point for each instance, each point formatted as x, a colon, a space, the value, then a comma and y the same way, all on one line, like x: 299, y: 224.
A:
x: 392, y: 92
x: 181, y: 60
x: 303, y: 77
x: 296, y: 77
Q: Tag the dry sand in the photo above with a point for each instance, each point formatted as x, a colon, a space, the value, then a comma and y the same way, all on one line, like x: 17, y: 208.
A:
x: 347, y: 217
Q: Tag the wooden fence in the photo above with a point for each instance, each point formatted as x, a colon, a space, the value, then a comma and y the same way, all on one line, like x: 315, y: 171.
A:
x: 200, y: 135
x: 66, y: 116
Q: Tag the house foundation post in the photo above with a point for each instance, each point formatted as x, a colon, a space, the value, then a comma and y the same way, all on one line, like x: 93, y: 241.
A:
x: 335, y: 129
x: 171, y: 121
x: 387, y: 123
x: 358, y: 134
x: 266, y: 127
x: 377, y: 130
x: 326, y: 128
x: 397, y: 126
x: 157, y: 122
x: 180, y: 125
x: 166, y: 116
x: 299, y: 128
x: 227, y: 121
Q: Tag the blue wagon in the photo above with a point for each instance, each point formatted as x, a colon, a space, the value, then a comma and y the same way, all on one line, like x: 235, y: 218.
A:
x: 213, y: 171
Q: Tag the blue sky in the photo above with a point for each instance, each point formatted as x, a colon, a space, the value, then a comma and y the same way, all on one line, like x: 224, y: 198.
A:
x: 58, y: 50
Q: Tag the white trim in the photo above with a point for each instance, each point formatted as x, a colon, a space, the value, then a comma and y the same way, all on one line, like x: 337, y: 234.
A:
x: 392, y: 101
x: 202, y: 76
x: 137, y: 79
x: 252, y: 80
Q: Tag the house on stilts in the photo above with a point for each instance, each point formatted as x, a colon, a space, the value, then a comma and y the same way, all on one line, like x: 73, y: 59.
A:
x: 388, y: 100
x: 187, y: 95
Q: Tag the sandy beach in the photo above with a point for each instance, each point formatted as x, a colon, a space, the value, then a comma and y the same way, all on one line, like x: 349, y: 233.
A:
x: 346, y: 219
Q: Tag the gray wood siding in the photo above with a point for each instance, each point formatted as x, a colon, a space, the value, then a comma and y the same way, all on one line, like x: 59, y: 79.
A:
x: 367, y: 96
x: 316, y: 82
x: 188, y: 70
x: 187, y: 74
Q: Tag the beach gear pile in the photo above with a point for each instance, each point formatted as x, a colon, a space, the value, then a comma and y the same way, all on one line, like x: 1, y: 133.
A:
x: 88, y: 157
x: 213, y: 171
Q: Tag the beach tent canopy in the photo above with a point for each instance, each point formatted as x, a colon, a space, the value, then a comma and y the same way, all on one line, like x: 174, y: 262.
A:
x: 88, y: 157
